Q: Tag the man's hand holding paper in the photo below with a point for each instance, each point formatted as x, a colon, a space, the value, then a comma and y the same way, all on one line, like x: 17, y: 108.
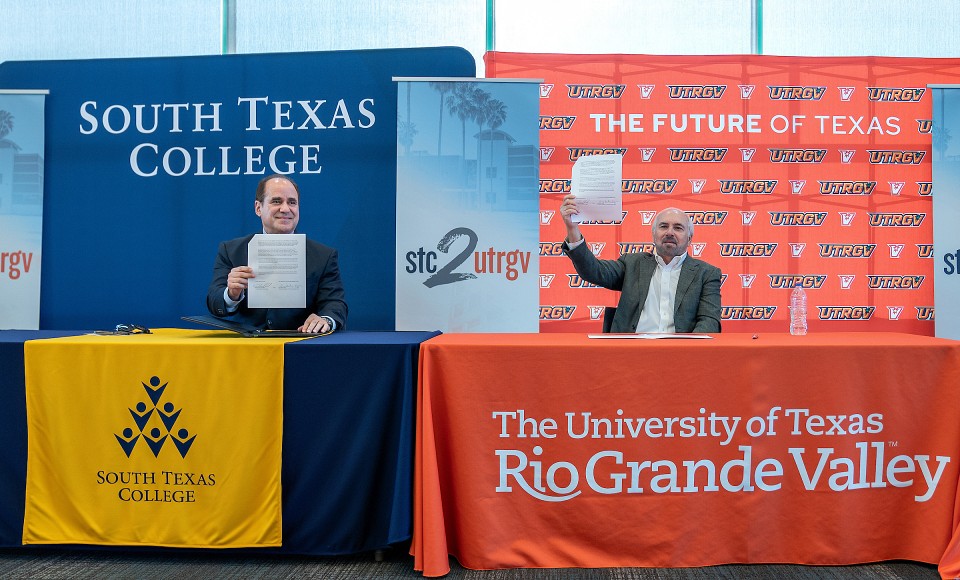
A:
x: 597, y: 184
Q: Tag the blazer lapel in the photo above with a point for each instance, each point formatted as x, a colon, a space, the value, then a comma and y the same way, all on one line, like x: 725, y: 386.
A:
x: 688, y: 271
x: 646, y: 264
x: 647, y: 267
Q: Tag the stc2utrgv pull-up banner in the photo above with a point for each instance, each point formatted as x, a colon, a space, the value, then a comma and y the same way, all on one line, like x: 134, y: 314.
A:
x: 794, y: 169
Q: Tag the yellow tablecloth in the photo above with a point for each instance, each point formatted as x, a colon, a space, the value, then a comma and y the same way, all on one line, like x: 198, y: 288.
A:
x: 164, y: 439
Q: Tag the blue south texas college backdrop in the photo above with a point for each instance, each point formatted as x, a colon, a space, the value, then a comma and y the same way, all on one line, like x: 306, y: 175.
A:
x: 151, y: 162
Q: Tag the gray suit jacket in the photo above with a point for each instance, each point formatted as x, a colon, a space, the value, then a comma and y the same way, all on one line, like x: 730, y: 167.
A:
x: 697, y: 307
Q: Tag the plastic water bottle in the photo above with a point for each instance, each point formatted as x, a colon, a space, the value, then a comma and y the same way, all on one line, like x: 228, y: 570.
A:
x: 798, y: 311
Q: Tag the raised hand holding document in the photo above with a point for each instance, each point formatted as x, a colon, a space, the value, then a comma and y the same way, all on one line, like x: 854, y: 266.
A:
x: 597, y: 183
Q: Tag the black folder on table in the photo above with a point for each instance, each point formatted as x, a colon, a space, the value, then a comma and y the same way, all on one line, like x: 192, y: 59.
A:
x: 246, y: 329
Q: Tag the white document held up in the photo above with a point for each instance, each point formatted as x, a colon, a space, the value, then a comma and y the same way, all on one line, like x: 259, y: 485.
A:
x: 279, y: 262
x: 597, y: 183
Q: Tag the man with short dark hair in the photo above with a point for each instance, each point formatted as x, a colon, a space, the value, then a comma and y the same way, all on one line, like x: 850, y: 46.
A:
x: 278, y: 205
x: 663, y: 291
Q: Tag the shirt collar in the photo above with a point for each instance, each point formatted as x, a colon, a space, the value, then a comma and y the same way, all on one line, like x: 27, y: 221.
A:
x: 676, y: 262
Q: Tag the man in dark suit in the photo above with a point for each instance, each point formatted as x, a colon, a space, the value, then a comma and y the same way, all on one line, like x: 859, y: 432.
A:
x: 663, y: 291
x: 278, y: 205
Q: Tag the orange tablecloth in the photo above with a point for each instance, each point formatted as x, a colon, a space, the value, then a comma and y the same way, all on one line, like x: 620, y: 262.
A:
x: 556, y: 450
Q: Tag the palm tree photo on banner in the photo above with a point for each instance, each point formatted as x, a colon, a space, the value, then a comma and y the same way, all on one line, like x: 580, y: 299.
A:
x: 467, y: 205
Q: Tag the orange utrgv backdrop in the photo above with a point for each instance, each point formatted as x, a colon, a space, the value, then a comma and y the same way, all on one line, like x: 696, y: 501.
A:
x: 815, y: 170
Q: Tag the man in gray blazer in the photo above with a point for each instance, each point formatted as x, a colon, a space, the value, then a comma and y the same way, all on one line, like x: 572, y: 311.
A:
x: 277, y: 203
x: 663, y: 291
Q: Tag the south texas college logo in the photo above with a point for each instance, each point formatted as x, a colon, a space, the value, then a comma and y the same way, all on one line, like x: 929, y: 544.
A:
x: 155, y: 424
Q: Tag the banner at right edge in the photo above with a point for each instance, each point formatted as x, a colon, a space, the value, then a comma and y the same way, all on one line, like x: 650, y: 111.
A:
x: 946, y: 209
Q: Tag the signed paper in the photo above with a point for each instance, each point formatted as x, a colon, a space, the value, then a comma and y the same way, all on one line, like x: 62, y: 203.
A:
x: 279, y: 262
x: 597, y: 183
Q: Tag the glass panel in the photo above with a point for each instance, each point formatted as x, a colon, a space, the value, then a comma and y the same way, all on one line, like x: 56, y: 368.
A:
x: 65, y: 29
x: 624, y: 26
x: 281, y: 26
x: 925, y: 28
x: 68, y: 29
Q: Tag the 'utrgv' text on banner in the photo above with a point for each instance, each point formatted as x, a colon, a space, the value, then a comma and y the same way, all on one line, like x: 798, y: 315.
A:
x: 467, y: 205
x: 21, y: 207
x: 793, y: 169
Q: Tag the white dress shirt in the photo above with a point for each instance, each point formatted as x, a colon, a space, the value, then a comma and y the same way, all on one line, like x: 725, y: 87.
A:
x: 658, y: 309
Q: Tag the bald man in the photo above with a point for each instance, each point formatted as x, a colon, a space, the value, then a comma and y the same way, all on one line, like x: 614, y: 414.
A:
x: 665, y: 291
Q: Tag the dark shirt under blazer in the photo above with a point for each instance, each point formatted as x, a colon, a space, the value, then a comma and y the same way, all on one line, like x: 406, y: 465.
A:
x: 325, y: 295
x: 697, y: 306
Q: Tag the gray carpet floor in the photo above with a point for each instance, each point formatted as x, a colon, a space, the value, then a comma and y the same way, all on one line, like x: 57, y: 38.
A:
x: 100, y: 565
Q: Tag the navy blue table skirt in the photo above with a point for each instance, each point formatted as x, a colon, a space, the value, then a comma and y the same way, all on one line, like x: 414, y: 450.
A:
x: 348, y: 437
